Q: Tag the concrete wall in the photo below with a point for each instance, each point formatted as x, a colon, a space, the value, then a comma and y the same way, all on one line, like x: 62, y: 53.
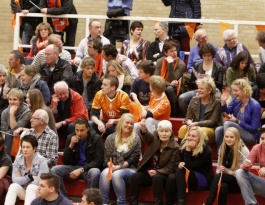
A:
x: 214, y: 9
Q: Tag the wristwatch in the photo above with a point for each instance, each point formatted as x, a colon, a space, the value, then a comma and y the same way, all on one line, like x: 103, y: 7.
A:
x: 82, y: 170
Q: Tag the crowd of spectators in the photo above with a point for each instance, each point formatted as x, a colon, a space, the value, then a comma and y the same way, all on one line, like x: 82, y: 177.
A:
x: 124, y: 96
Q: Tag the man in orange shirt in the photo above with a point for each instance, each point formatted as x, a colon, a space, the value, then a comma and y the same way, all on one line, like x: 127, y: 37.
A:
x: 112, y: 102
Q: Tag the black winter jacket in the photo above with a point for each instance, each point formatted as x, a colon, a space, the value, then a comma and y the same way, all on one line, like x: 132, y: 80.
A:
x: 93, y: 86
x: 94, y: 151
x: 182, y: 9
x: 62, y: 71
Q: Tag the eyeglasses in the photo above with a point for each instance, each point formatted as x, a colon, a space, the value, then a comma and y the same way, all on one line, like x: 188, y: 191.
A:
x: 36, y: 118
x: 203, y: 38
x: 232, y: 39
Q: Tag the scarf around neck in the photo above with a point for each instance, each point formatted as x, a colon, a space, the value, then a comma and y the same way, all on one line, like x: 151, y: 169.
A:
x: 30, y: 85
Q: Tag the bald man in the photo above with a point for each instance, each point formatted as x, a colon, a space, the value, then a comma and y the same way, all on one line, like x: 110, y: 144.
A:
x: 55, y: 69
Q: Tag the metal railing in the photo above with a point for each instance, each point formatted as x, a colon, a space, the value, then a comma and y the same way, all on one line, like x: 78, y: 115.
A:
x: 87, y: 18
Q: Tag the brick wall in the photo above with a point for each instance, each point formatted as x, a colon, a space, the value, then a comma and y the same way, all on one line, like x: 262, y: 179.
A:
x: 215, y: 9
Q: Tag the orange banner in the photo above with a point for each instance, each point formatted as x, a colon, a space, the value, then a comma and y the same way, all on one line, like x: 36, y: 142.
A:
x: 190, y: 27
x: 224, y: 26
x: 260, y: 28
x: 187, y: 179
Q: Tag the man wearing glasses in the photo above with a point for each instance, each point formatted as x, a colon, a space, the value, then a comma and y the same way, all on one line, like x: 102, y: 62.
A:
x: 201, y: 37
x: 55, y: 69
x: 47, y: 138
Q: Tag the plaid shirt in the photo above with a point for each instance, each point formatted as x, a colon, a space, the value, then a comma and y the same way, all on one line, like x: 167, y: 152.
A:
x: 47, y: 144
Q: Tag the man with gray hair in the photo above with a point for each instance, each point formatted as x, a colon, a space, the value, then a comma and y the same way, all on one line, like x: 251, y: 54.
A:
x: 55, y: 69
x: 47, y: 138
x: 201, y: 37
x: 155, y: 50
x: 67, y: 106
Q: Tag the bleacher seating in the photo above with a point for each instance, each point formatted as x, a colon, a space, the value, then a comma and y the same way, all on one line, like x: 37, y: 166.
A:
x: 76, y: 187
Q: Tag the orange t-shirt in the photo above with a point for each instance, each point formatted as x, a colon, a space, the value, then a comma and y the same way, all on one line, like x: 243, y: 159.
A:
x: 111, y: 107
x: 159, y: 107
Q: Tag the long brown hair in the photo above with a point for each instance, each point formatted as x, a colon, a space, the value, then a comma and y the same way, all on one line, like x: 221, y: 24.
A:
x: 36, y: 100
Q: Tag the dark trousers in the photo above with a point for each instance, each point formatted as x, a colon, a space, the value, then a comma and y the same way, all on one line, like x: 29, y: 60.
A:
x: 176, y: 184
x: 144, y: 179
x: 229, y: 184
x: 171, y: 95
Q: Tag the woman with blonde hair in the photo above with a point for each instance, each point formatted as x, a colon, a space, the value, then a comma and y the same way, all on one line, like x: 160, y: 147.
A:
x: 30, y: 79
x: 229, y: 160
x: 243, y: 113
x: 125, y: 80
x: 203, y: 110
x: 195, y: 156
x: 124, y: 147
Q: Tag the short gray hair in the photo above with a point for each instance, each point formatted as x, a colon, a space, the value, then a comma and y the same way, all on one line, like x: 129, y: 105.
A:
x: 163, y: 25
x: 227, y: 33
x: 3, y: 69
x: 164, y: 124
x: 196, y: 34
x: 43, y: 115
x: 61, y: 84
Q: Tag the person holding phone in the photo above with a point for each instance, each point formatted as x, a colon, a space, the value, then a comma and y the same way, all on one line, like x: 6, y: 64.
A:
x: 244, y: 112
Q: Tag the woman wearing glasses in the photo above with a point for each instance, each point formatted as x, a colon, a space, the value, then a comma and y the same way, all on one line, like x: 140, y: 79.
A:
x: 228, y: 52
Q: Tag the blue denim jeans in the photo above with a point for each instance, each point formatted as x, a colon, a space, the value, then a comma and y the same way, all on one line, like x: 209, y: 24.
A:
x: 184, y: 101
x: 151, y: 125
x: 249, y: 184
x: 63, y: 171
x: 246, y: 136
x: 9, y: 141
x: 120, y: 179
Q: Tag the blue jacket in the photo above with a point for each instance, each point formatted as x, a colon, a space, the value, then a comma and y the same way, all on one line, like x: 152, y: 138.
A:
x: 182, y: 9
x: 252, y: 114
